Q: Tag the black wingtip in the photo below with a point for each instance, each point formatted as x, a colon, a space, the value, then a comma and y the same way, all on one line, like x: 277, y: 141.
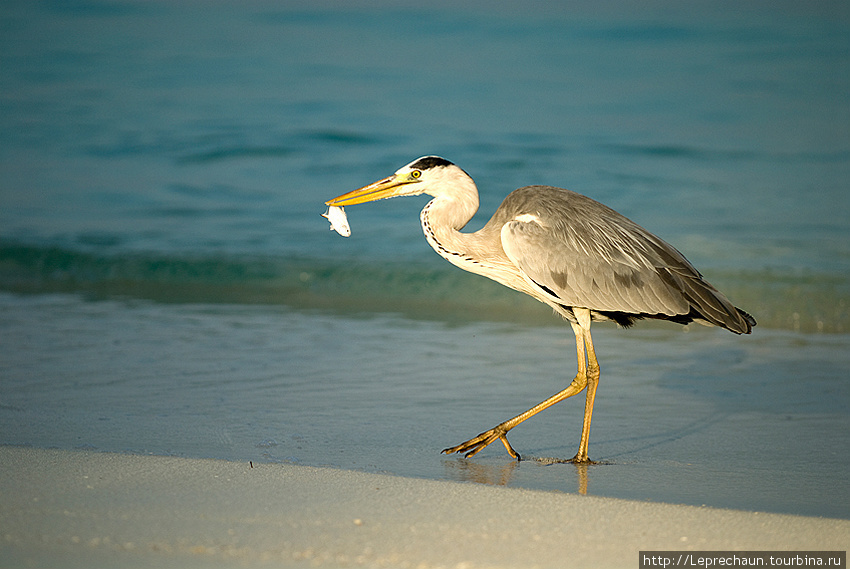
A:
x: 748, y: 318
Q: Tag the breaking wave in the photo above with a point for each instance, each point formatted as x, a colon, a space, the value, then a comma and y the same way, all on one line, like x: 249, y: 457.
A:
x: 805, y: 302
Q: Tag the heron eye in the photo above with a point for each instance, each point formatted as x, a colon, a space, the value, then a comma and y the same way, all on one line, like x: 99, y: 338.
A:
x: 415, y: 174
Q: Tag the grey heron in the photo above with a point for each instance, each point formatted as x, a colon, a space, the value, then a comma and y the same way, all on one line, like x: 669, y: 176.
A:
x: 585, y: 260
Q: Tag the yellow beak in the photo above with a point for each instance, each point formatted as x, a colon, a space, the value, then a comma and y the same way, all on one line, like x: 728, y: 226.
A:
x: 380, y: 190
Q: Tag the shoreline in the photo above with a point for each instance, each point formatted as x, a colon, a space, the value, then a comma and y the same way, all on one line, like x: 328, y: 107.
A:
x: 82, y: 508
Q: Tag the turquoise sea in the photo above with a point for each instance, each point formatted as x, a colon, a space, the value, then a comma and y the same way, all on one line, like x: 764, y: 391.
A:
x: 167, y: 285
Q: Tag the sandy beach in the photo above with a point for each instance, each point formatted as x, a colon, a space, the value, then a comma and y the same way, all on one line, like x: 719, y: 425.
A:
x: 79, y: 508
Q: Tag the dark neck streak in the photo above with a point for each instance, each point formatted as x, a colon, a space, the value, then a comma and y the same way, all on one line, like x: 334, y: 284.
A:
x: 479, y: 252
x: 446, y: 250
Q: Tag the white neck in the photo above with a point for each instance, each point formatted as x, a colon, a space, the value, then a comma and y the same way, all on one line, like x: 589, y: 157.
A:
x: 479, y: 252
x: 445, y: 215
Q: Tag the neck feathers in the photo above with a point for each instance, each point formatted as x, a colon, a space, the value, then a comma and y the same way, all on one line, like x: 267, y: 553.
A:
x: 444, y: 217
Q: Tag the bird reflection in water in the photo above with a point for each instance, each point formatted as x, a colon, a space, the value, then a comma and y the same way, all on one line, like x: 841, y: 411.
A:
x: 502, y: 473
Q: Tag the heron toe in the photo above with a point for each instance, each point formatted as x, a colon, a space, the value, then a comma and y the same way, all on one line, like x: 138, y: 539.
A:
x: 579, y: 459
x: 476, y: 444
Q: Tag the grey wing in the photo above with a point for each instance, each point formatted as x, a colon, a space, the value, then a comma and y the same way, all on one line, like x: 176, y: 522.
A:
x: 587, y: 255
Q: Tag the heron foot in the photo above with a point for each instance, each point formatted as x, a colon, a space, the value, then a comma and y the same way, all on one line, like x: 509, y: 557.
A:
x: 579, y: 459
x: 475, y: 444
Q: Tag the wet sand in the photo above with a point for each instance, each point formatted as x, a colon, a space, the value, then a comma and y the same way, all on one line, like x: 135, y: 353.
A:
x: 79, y: 508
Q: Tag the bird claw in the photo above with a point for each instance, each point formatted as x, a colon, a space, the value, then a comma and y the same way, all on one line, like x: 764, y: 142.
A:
x: 578, y: 459
x: 475, y: 444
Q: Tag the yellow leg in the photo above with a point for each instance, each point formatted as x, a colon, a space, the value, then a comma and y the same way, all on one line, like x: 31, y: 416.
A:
x: 592, y: 384
x: 586, y: 376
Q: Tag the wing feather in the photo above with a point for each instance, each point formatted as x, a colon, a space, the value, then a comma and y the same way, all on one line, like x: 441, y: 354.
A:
x: 590, y: 256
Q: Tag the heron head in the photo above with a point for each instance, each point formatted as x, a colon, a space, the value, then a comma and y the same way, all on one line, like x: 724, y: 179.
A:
x: 416, y: 178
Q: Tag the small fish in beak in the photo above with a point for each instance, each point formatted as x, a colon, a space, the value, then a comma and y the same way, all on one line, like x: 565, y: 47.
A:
x: 339, y: 222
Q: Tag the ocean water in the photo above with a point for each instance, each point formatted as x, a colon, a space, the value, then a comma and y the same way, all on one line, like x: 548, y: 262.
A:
x: 168, y: 286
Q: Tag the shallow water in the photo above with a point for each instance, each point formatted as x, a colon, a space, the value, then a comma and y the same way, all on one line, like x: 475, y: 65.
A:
x: 168, y: 286
x: 698, y: 417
